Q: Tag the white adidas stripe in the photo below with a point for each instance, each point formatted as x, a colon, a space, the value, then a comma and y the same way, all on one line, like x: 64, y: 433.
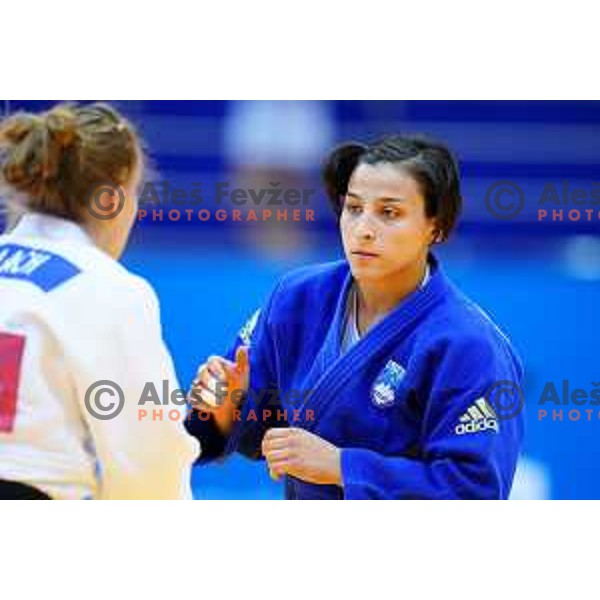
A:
x: 478, y: 411
x: 485, y: 408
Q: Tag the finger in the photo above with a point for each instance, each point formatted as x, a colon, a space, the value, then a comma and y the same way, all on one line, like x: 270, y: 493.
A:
x: 212, y: 383
x: 278, y: 433
x: 201, y: 369
x: 277, y: 456
x: 219, y: 359
x: 242, y: 359
x: 217, y: 366
x: 279, y: 469
x: 212, y: 364
x: 217, y: 385
x: 208, y: 396
x: 209, y: 379
x: 196, y: 401
x: 201, y: 406
x: 214, y: 369
x: 274, y: 475
x: 271, y: 444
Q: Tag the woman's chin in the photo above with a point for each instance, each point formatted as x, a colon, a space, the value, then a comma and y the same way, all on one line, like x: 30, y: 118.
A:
x: 365, y: 270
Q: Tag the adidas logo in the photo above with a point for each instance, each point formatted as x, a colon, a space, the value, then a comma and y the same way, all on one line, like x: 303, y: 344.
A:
x: 479, y: 417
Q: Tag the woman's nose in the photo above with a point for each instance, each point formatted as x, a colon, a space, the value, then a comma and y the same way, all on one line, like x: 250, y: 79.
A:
x: 365, y: 228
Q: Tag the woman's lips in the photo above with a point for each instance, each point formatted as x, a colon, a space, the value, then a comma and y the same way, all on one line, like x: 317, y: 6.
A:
x: 364, y: 254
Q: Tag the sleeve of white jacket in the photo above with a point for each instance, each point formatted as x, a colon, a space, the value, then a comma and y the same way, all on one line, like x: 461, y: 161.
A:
x: 141, y: 457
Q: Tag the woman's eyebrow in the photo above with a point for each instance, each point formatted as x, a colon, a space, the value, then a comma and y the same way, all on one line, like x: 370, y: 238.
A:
x: 395, y: 200
x: 383, y: 200
x: 353, y: 195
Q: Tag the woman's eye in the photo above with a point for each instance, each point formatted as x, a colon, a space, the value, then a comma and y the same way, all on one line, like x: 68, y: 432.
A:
x: 353, y: 209
x: 390, y: 213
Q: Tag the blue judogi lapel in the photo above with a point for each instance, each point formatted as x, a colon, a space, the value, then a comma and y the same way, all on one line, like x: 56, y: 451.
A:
x: 332, y: 370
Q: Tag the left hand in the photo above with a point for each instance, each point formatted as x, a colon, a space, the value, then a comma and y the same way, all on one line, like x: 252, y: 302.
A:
x: 303, y: 455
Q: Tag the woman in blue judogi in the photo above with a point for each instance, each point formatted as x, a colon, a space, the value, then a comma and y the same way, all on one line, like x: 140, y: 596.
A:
x: 373, y: 377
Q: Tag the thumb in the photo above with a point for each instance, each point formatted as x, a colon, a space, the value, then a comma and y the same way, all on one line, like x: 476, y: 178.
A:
x: 242, y: 361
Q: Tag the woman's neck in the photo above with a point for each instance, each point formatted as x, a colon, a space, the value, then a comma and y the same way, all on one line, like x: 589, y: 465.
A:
x: 378, y: 297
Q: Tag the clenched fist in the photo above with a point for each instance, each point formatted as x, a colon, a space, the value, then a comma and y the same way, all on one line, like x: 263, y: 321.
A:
x: 303, y: 455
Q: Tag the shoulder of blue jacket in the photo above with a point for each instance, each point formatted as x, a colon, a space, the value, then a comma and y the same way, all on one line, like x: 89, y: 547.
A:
x: 314, y: 279
x: 462, y: 326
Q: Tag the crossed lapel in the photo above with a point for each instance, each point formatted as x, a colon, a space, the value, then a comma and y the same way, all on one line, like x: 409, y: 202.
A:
x: 332, y: 370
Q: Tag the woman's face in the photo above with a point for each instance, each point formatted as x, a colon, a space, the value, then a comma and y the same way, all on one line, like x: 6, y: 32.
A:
x: 383, y: 223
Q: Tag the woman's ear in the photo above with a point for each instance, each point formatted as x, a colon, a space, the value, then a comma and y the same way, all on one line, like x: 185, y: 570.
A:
x: 436, y: 234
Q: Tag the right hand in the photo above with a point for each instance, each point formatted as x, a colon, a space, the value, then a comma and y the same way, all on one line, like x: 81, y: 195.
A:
x: 216, y: 375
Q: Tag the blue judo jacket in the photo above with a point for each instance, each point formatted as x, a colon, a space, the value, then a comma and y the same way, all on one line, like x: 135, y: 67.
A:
x: 418, y: 406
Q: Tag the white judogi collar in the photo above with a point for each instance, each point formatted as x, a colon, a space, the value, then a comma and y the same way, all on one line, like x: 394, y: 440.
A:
x: 38, y: 225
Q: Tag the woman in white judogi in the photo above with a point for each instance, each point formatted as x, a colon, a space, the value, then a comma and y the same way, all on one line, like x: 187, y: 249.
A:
x: 71, y: 316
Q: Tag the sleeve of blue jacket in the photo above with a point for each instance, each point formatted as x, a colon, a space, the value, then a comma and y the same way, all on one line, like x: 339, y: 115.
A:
x: 247, y: 433
x: 263, y: 390
x: 478, y: 464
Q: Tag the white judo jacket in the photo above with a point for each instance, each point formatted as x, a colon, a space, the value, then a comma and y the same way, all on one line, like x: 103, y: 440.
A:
x: 71, y: 316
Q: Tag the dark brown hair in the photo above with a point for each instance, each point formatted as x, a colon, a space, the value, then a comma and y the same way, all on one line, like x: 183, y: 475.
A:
x: 55, y: 159
x: 430, y: 163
